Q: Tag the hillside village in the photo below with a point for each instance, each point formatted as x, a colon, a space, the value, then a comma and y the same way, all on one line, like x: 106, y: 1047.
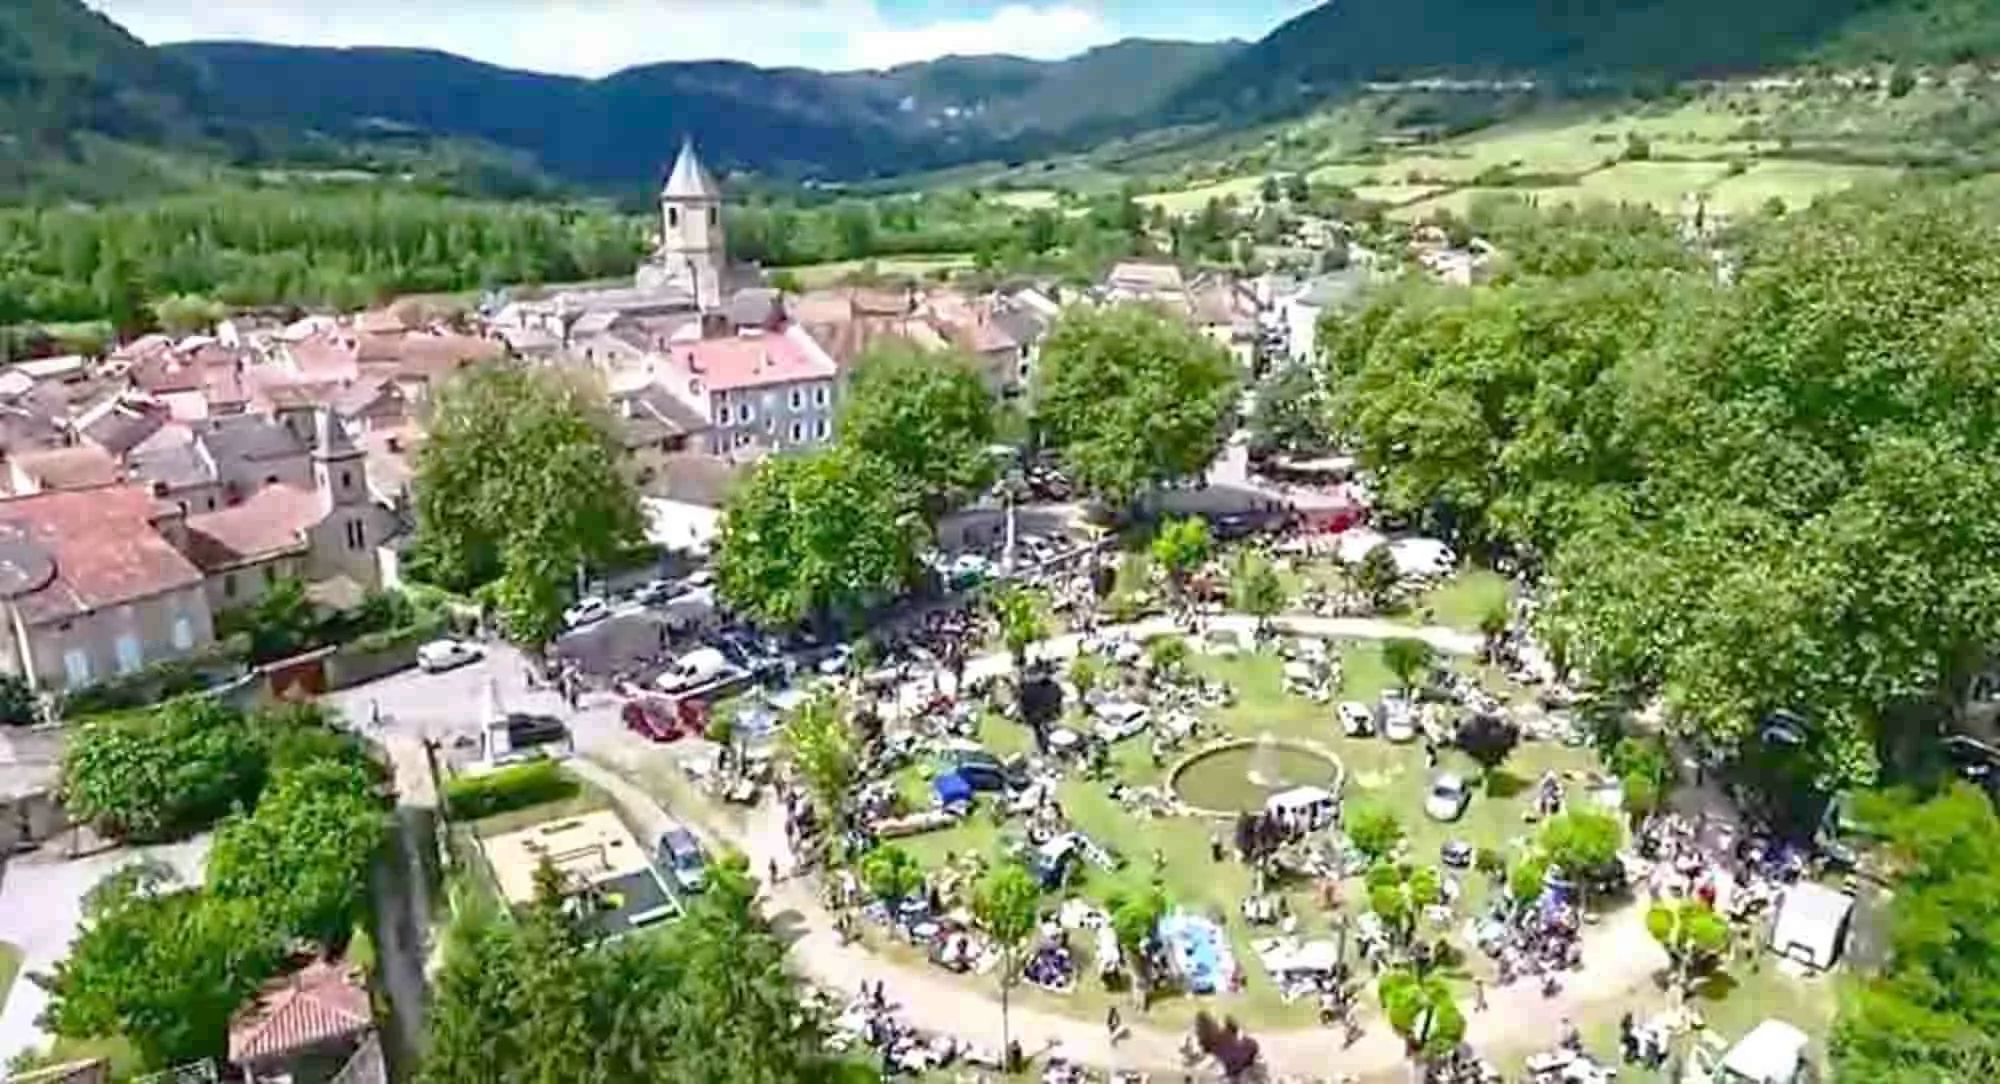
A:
x: 1481, y: 578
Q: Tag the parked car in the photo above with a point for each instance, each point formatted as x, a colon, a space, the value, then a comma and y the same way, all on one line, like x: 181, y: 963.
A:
x: 699, y: 667
x: 1448, y: 797
x: 680, y: 854
x: 655, y: 592
x: 836, y: 661
x: 1398, y: 719
x: 987, y: 772
x: 1356, y: 721
x: 441, y: 655
x: 1120, y: 719
x: 588, y: 609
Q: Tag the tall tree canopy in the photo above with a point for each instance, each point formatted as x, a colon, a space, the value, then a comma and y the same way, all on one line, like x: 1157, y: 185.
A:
x: 1131, y: 397
x: 518, y: 480
x: 534, y: 1000
x: 1756, y: 494
x: 818, y: 536
x: 305, y: 850
x: 1931, y: 1011
x: 926, y: 417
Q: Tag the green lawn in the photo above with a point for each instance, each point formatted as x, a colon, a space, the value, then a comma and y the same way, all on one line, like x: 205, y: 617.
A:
x: 1797, y: 183
x: 10, y: 968
x: 1189, y: 200
x: 587, y: 799
x: 818, y: 275
x: 1460, y: 602
x: 1391, y: 774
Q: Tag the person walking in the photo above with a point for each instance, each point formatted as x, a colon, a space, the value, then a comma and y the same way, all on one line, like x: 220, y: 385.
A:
x: 1478, y: 995
x: 1112, y: 1024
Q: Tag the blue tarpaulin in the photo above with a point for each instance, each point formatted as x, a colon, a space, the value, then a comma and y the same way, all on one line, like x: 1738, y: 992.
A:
x: 951, y: 787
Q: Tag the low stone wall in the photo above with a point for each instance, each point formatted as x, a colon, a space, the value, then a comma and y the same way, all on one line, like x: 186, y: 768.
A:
x: 352, y: 666
x: 30, y: 818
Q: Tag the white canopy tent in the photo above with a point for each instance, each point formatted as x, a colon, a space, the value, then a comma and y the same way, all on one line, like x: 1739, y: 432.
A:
x: 1772, y: 1053
x: 1811, y: 924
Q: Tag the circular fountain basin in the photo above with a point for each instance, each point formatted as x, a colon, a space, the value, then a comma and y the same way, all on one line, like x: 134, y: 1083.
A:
x: 1237, y: 776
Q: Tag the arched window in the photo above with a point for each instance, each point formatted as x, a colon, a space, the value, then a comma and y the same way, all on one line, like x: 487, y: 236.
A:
x: 673, y: 218
x: 714, y: 217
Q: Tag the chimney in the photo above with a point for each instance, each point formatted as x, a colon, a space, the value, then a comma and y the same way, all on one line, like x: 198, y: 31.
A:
x: 395, y: 445
x: 169, y: 519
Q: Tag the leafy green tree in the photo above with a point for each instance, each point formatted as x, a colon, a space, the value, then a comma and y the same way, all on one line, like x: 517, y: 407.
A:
x: 1421, y: 1009
x: 1135, y: 916
x: 1488, y: 738
x: 533, y: 999
x: 1006, y: 904
x: 1529, y: 878
x: 927, y: 417
x: 160, y: 965
x: 891, y: 874
x: 1373, y: 830
x: 280, y: 624
x: 187, y: 314
x: 163, y: 774
x: 1691, y: 932
x: 302, y: 856
x: 1398, y: 894
x: 1291, y: 412
x: 820, y: 743
x: 1130, y: 398
x: 1408, y: 658
x: 1582, y: 842
x: 1180, y: 547
x: 1167, y: 654
x: 1377, y: 577
x: 1023, y: 620
x: 1256, y: 589
x: 519, y: 480
x: 1922, y: 1016
x: 817, y: 536
x: 1086, y: 670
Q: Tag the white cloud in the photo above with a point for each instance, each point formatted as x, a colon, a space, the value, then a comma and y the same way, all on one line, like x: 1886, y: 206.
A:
x: 597, y: 37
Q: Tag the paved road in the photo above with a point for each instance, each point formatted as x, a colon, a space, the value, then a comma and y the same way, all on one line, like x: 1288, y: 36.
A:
x: 41, y: 906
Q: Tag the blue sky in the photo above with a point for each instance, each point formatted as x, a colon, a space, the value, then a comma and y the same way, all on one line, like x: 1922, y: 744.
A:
x: 595, y: 37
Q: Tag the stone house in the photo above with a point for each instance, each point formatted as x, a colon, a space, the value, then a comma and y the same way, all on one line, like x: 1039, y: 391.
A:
x: 94, y: 586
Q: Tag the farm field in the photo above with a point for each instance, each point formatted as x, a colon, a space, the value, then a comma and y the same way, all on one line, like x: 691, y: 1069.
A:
x: 815, y: 276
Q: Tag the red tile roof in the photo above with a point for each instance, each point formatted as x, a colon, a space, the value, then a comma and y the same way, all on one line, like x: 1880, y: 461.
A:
x: 85, y: 466
x: 273, y: 521
x: 104, y: 547
x: 752, y: 361
x: 321, y: 1002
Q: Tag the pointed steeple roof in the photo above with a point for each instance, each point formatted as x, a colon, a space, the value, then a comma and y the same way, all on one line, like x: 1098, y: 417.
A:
x: 689, y: 180
x: 330, y: 439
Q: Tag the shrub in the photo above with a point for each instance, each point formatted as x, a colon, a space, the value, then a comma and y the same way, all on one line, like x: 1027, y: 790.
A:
x: 472, y: 797
x: 163, y: 774
x: 1374, y: 831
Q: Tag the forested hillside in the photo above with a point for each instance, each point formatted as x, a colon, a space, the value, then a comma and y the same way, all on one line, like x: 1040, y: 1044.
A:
x: 1616, y: 42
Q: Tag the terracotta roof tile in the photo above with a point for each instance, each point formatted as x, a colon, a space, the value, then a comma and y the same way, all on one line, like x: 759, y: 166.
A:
x: 272, y: 521
x: 104, y: 547
x: 319, y: 1003
x: 85, y: 466
x: 752, y: 361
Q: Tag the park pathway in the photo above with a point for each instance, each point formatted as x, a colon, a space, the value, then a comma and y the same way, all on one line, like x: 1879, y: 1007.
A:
x: 1622, y: 957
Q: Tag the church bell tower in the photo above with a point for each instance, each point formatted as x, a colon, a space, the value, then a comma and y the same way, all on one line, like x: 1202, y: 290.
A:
x: 691, y: 244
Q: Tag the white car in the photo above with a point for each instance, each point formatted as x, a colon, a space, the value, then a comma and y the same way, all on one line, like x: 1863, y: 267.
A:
x: 587, y: 609
x: 1448, y: 797
x: 1356, y: 721
x: 1120, y: 719
x: 1399, y: 723
x: 837, y: 663
x: 441, y: 655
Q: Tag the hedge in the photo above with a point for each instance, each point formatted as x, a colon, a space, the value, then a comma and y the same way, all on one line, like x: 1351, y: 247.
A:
x: 160, y: 681
x: 427, y: 626
x: 473, y: 797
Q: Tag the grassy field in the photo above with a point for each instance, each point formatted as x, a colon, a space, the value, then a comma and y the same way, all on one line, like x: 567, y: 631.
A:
x: 1027, y: 199
x: 1190, y: 200
x: 820, y: 275
x: 1392, y: 775
x: 10, y: 968
x: 1797, y: 183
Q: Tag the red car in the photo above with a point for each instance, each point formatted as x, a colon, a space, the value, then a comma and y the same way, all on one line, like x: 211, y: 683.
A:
x: 663, y: 718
